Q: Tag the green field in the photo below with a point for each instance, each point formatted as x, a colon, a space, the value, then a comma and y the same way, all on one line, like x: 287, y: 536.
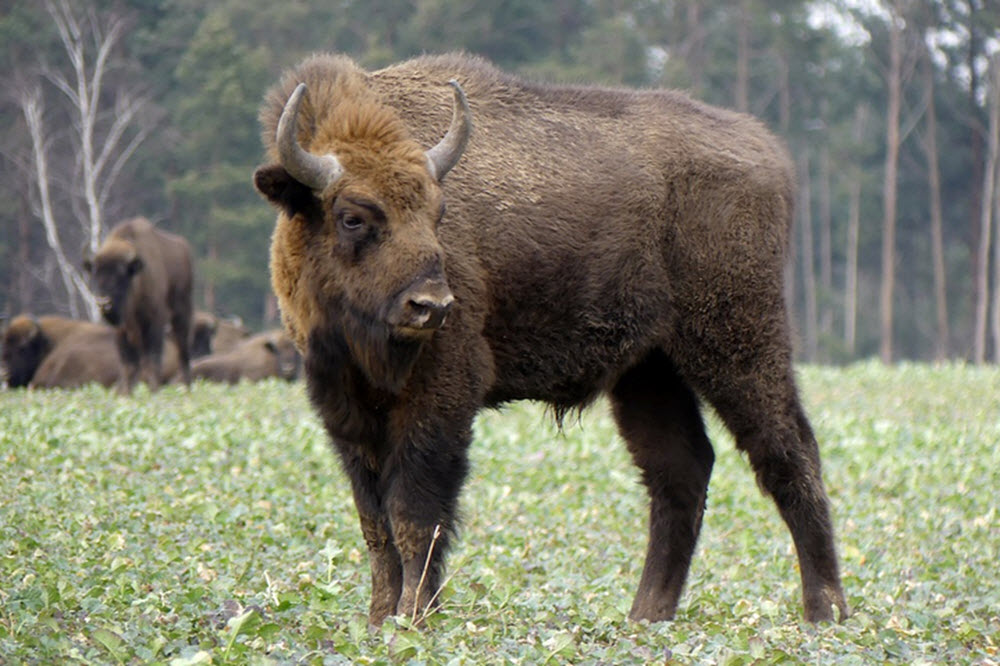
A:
x: 213, y: 526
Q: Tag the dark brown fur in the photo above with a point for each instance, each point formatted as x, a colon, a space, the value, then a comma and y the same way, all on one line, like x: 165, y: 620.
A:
x: 28, y: 340
x: 630, y: 243
x: 267, y: 354
x: 144, y: 276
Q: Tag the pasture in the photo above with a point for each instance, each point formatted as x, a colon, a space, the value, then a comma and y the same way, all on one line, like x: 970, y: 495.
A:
x: 214, y: 526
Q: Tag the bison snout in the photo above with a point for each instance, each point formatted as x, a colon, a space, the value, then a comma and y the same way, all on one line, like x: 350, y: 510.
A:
x: 424, y: 308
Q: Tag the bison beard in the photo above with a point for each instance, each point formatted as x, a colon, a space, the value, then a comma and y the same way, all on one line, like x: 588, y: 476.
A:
x: 597, y: 241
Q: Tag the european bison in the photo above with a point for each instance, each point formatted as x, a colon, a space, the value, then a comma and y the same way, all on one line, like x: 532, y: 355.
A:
x: 86, y: 357
x: 596, y: 241
x: 27, y: 340
x: 214, y: 335
x: 143, y: 278
x: 267, y: 354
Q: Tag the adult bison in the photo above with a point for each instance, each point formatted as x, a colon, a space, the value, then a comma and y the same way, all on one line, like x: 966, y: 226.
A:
x: 267, y: 354
x: 596, y: 241
x: 28, y: 340
x: 89, y: 356
x: 211, y: 334
x: 143, y: 278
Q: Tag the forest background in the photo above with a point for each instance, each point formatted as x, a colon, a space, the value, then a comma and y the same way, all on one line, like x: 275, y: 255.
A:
x: 111, y: 109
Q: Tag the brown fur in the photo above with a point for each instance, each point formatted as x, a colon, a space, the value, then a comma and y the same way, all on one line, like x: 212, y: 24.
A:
x: 86, y: 357
x: 90, y: 355
x: 596, y: 241
x: 268, y: 354
x: 145, y: 276
x: 28, y: 340
x: 211, y: 334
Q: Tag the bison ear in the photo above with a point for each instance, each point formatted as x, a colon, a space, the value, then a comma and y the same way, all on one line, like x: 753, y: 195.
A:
x: 283, y: 191
x: 135, y: 265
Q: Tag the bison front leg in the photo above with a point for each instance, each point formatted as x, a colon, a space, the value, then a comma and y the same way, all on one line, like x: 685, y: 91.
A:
x: 659, y: 418
x: 129, y: 354
x: 386, y: 568
x: 422, y: 503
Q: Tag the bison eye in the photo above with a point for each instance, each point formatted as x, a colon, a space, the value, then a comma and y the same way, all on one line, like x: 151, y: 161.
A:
x: 351, y: 222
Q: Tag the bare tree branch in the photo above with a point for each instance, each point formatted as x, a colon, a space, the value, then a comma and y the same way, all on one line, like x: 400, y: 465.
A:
x: 73, y: 282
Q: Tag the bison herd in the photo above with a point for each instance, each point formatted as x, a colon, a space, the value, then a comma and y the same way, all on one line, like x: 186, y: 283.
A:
x: 451, y: 238
x: 149, y: 333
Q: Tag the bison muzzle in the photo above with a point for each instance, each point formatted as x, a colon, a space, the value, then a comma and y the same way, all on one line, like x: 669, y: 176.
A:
x: 596, y: 241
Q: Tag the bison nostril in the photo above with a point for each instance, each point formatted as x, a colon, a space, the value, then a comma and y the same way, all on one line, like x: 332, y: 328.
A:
x: 428, y: 312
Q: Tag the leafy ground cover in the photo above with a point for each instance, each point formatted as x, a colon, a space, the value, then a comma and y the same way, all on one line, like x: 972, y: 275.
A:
x: 213, y: 526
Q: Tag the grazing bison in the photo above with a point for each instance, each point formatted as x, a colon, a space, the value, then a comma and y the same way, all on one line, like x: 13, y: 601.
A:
x: 596, y: 241
x: 143, y: 278
x: 267, y: 354
x: 28, y: 340
x: 214, y: 335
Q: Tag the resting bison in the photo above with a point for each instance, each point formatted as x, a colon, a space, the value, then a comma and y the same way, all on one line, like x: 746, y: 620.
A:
x: 214, y: 335
x: 27, y: 340
x: 268, y: 354
x: 143, y: 278
x: 86, y: 357
x: 595, y: 241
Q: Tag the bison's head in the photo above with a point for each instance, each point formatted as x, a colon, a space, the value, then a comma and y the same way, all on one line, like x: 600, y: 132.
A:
x: 356, y: 250
x: 24, y: 347
x: 288, y: 361
x: 113, y: 268
x: 203, y: 328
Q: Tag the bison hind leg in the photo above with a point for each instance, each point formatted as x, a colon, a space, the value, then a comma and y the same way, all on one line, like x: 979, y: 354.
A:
x: 659, y: 417
x: 763, y: 411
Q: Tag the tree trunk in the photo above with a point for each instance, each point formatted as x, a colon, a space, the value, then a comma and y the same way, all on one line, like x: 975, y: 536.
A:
x: 825, y: 244
x: 977, y: 177
x: 808, y: 265
x: 941, y: 339
x: 695, y: 50
x: 22, y: 298
x: 985, y: 219
x: 996, y: 241
x: 853, y: 234
x: 743, y: 57
x: 894, y: 84
x: 73, y: 283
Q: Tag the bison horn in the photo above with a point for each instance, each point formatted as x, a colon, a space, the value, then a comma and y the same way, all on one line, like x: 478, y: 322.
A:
x: 315, y: 171
x: 442, y: 157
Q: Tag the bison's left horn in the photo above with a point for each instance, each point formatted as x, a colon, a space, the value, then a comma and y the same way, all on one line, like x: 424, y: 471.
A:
x: 446, y: 154
x: 315, y: 171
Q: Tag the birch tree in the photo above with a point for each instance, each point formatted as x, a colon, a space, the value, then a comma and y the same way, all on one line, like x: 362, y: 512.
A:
x: 102, y: 135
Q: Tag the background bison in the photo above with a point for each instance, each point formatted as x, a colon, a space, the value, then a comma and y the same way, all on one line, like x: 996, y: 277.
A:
x: 257, y: 357
x: 28, y: 340
x: 86, y: 357
x: 595, y: 241
x: 211, y: 334
x: 143, y: 278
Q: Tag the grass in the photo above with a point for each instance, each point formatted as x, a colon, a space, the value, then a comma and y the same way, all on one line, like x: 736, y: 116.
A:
x: 213, y: 526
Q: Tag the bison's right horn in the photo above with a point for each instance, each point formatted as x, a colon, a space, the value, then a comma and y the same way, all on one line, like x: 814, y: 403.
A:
x: 446, y: 154
x: 315, y: 171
